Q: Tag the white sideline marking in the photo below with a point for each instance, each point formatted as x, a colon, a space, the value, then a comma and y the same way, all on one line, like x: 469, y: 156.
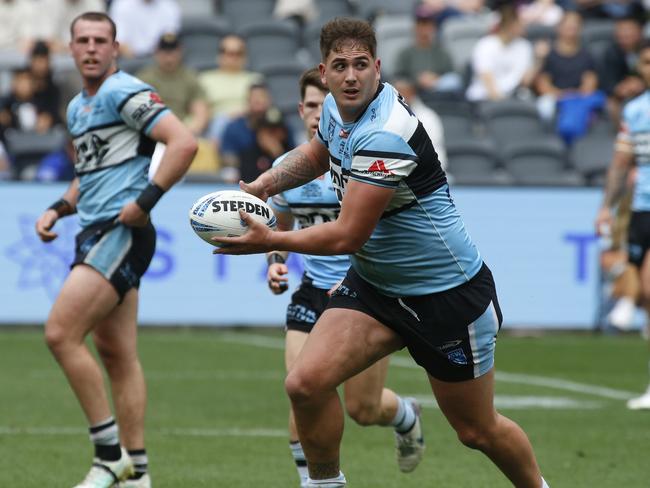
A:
x: 514, y: 402
x: 524, y: 379
x: 188, y: 432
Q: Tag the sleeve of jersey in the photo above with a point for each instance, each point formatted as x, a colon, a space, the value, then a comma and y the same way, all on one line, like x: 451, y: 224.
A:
x: 382, y: 159
x: 142, y: 110
x: 624, y: 138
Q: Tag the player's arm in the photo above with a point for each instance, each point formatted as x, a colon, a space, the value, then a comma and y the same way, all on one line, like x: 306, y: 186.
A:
x: 622, y: 161
x: 178, y: 155
x: 66, y: 205
x: 276, y: 275
x: 361, y: 209
x: 305, y: 163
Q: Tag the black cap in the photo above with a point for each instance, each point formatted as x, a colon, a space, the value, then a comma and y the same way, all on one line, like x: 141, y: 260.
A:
x: 272, y: 118
x: 40, y: 48
x: 169, y: 42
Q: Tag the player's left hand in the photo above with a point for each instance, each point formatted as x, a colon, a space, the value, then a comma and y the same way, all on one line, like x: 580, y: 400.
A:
x: 133, y: 216
x: 256, y: 240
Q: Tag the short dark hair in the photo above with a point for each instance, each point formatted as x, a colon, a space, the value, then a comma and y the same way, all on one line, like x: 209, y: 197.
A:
x: 94, y: 17
x: 342, y: 30
x: 311, y: 77
x: 645, y: 44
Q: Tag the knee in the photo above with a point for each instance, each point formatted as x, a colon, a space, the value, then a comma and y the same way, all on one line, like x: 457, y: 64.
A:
x: 362, y: 412
x: 474, y: 437
x: 55, y: 337
x: 301, y: 388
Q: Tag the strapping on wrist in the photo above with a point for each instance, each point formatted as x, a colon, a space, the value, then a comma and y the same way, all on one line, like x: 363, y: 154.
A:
x: 149, y: 197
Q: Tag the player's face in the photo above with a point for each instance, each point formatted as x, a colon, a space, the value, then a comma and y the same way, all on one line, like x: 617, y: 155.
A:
x: 644, y: 65
x: 352, y: 76
x: 310, y: 109
x: 94, y: 50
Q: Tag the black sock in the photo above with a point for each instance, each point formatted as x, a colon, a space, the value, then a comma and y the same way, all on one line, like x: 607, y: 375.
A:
x: 108, y: 453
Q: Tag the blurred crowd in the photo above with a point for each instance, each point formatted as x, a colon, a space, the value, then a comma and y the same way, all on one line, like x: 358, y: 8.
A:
x: 229, y: 69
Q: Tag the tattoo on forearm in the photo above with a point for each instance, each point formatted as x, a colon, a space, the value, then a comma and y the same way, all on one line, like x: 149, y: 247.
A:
x: 614, y: 186
x: 321, y: 471
x: 296, y: 169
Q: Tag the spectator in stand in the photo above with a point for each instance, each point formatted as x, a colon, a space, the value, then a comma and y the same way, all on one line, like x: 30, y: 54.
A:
x: 240, y: 139
x: 20, y: 109
x: 57, y: 165
x: 5, y: 165
x: 47, y: 94
x: 18, y: 23
x: 227, y: 86
x: 618, y: 71
x: 444, y: 9
x: 301, y: 11
x: 568, y: 80
x: 502, y: 62
x: 177, y: 85
x: 60, y: 14
x: 426, y: 62
x: 541, y: 12
x: 429, y: 118
x: 272, y: 140
x: 141, y: 23
x: 608, y: 9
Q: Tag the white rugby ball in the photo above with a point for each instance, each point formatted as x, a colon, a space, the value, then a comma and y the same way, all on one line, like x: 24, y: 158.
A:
x: 217, y: 214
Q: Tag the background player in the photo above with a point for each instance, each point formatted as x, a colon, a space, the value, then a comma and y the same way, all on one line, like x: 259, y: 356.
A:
x: 416, y: 280
x: 366, y: 399
x: 114, y: 123
x: 633, y: 147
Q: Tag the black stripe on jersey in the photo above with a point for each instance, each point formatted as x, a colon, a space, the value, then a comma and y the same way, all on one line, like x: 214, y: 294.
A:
x: 146, y: 146
x: 428, y: 175
x: 395, y: 211
x: 335, y: 161
x: 320, y: 136
x: 314, y: 205
x: 131, y: 95
x: 387, y: 155
x: 97, y: 127
x: 375, y: 181
x: 151, y: 119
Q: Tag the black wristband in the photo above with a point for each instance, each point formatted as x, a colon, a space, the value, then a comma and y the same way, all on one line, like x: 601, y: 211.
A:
x: 275, y: 257
x: 62, y: 207
x: 149, y: 197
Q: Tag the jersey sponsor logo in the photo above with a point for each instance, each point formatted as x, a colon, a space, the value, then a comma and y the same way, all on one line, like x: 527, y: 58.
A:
x: 234, y: 205
x: 379, y: 167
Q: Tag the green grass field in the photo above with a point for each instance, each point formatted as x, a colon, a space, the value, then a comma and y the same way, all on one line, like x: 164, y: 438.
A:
x: 217, y: 415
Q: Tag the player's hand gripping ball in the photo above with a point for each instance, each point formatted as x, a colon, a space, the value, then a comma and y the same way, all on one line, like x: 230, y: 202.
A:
x: 217, y: 214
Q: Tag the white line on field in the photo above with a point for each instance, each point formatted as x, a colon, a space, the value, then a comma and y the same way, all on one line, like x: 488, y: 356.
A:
x: 187, y: 432
x: 525, y: 379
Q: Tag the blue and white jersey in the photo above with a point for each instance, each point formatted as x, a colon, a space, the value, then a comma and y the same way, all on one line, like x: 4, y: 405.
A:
x: 420, y: 244
x: 312, y: 204
x: 110, y: 134
x: 634, y: 137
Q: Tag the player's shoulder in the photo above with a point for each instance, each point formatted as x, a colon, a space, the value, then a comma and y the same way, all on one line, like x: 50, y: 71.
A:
x: 636, y: 104
x: 121, y: 85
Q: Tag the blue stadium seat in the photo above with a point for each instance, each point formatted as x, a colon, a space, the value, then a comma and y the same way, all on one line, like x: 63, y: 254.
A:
x: 27, y: 148
x: 475, y: 162
x: 270, y: 42
x: 243, y: 12
x: 200, y: 37
x: 282, y: 80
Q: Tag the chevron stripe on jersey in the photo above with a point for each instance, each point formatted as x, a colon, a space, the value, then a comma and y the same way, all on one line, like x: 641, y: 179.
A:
x: 420, y: 245
x: 311, y: 204
x: 635, y: 136
x: 110, y: 133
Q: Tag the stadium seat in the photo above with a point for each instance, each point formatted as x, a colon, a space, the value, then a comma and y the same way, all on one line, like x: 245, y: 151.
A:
x: 597, y: 36
x: 282, y: 80
x: 133, y: 65
x: 243, y: 12
x: 371, y: 9
x: 394, y: 32
x: 311, y: 41
x: 27, y: 148
x: 328, y: 9
x: 592, y: 154
x: 540, y: 32
x: 459, y: 35
x: 541, y: 162
x: 200, y: 37
x: 475, y: 162
x: 270, y: 42
x: 197, y: 8
x: 512, y: 120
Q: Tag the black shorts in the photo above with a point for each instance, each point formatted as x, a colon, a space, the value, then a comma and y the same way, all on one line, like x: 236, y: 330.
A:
x: 121, y: 254
x: 451, y: 334
x: 638, y: 237
x: 307, y: 305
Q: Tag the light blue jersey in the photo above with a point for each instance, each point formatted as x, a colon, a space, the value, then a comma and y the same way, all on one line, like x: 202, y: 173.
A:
x: 420, y: 245
x: 311, y: 204
x: 635, y: 136
x: 110, y: 133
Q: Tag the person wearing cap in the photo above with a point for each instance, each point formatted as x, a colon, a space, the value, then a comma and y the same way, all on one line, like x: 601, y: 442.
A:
x: 176, y: 84
x: 47, y: 93
x: 426, y: 62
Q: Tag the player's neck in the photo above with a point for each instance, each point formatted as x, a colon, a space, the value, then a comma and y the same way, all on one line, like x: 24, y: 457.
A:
x: 92, y: 85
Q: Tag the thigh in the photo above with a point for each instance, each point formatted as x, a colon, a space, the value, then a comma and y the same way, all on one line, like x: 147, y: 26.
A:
x: 116, y: 335
x: 466, y: 403
x: 368, y: 384
x: 342, y: 344
x: 293, y: 344
x: 84, y: 301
